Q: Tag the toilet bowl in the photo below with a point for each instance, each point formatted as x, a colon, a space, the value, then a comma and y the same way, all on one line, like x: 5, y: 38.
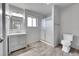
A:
x: 66, y: 42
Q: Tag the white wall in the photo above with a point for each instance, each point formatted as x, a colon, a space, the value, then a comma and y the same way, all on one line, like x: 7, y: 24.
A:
x: 70, y: 23
x: 33, y: 33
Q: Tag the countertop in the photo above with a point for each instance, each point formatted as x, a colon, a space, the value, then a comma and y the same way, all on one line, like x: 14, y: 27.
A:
x: 17, y: 34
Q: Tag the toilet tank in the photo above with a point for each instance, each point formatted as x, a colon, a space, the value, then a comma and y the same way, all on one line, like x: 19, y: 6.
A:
x: 68, y: 37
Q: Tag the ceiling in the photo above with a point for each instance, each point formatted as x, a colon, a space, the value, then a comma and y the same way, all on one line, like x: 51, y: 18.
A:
x: 41, y: 8
x: 63, y: 6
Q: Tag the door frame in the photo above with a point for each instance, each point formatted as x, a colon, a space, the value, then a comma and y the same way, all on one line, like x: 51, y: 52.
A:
x: 5, y: 45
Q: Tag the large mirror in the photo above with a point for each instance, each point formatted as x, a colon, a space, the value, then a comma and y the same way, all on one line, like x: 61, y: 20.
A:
x: 15, y: 20
x: 16, y: 24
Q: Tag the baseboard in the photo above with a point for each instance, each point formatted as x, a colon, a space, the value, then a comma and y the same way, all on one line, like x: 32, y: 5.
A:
x: 47, y: 43
x: 16, y: 50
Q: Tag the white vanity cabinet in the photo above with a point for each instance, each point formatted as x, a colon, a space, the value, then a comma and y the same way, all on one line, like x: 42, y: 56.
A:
x: 16, y: 41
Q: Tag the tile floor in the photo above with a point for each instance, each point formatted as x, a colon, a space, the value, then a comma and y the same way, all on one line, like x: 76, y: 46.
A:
x: 42, y: 49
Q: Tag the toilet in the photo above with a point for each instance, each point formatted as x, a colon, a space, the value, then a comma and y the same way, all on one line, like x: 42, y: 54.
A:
x: 66, y: 42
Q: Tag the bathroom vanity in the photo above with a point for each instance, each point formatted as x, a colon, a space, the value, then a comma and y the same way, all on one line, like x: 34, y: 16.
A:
x: 16, y: 41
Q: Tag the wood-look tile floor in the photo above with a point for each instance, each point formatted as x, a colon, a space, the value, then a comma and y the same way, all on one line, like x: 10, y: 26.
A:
x: 42, y: 49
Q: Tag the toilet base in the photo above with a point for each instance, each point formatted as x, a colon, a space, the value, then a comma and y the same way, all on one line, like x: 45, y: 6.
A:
x: 66, y: 49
